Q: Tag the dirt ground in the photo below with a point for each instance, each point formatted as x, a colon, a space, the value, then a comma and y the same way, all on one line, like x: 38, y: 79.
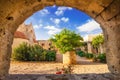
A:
x: 50, y: 68
x: 82, y: 67
x: 38, y: 69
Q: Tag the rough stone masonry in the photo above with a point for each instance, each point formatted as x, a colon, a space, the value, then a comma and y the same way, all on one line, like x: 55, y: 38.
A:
x: 105, y: 12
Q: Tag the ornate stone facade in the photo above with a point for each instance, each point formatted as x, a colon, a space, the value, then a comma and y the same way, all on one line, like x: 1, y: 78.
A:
x: 24, y: 33
x: 28, y: 31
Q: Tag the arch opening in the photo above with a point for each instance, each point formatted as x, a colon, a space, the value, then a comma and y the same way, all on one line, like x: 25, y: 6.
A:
x: 55, y: 20
x: 102, y: 12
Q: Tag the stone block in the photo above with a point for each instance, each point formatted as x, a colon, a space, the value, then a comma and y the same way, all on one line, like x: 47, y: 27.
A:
x: 59, y: 2
x: 94, y: 8
x: 117, y: 18
x: 112, y: 10
x: 69, y: 58
x: 70, y: 2
x: 104, y: 3
x: 59, y: 57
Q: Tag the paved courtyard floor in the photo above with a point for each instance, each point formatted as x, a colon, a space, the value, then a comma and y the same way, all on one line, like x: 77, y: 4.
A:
x: 84, y: 70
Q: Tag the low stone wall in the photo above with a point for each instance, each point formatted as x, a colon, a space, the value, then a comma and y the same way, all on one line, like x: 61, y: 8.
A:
x: 59, y: 57
x: 69, y: 57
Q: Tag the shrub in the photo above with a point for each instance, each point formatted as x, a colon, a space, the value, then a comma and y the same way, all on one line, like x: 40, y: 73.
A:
x: 50, y: 55
x: 26, y: 52
x: 89, y: 55
x: 37, y: 52
x: 95, y: 58
x: 80, y: 53
x: 22, y: 52
x: 102, y: 57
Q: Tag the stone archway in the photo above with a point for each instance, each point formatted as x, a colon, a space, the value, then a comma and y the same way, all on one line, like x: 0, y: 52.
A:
x: 105, y: 12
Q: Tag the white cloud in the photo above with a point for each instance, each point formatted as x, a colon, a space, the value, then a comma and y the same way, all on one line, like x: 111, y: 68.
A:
x: 53, y: 6
x: 64, y: 8
x: 65, y: 19
x: 61, y: 10
x: 85, y: 37
x: 52, y: 30
x: 44, y: 12
x: 56, y: 20
x: 37, y: 26
x: 90, y: 26
x: 30, y: 19
x: 58, y: 13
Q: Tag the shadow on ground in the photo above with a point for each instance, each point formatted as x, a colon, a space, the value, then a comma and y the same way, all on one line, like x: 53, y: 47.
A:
x: 106, y: 76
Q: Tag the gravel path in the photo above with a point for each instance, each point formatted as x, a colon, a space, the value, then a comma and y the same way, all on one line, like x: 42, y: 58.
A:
x: 35, y: 70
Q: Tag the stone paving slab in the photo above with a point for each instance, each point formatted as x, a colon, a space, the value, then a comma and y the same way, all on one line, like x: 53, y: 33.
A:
x: 106, y: 76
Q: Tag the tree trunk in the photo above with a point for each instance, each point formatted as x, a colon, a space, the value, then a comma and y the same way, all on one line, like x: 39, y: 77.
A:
x: 69, y: 58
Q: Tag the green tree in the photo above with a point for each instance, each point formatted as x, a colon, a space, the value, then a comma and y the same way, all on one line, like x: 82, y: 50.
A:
x: 66, y: 40
x: 97, y: 41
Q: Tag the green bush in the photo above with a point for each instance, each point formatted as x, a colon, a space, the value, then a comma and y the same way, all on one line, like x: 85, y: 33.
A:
x: 37, y: 52
x: 102, y: 57
x: 89, y: 55
x: 95, y: 58
x: 80, y: 53
x: 50, y: 55
x: 22, y: 52
x: 26, y: 52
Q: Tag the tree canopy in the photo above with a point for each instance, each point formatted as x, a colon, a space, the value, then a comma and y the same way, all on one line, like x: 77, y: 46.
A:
x: 98, y: 40
x: 66, y: 40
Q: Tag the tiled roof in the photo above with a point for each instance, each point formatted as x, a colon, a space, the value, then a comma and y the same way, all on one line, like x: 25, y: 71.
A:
x: 35, y: 41
x: 19, y: 34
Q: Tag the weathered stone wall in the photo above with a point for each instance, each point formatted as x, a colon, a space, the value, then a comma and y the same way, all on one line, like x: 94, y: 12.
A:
x: 28, y: 31
x: 59, y: 57
x: 24, y: 33
x: 89, y: 46
x: 69, y: 58
x: 46, y: 44
x: 6, y: 39
x: 110, y: 22
x: 105, y: 12
x: 18, y: 41
x: 90, y: 49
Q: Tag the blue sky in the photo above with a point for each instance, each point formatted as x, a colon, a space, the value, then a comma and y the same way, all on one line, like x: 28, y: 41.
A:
x: 53, y: 19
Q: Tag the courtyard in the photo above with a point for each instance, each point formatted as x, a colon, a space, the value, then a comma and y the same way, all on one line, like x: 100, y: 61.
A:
x: 15, y: 12
x: 84, y: 68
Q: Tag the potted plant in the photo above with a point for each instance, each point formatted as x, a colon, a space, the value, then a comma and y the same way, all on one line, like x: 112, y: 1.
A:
x: 66, y: 42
